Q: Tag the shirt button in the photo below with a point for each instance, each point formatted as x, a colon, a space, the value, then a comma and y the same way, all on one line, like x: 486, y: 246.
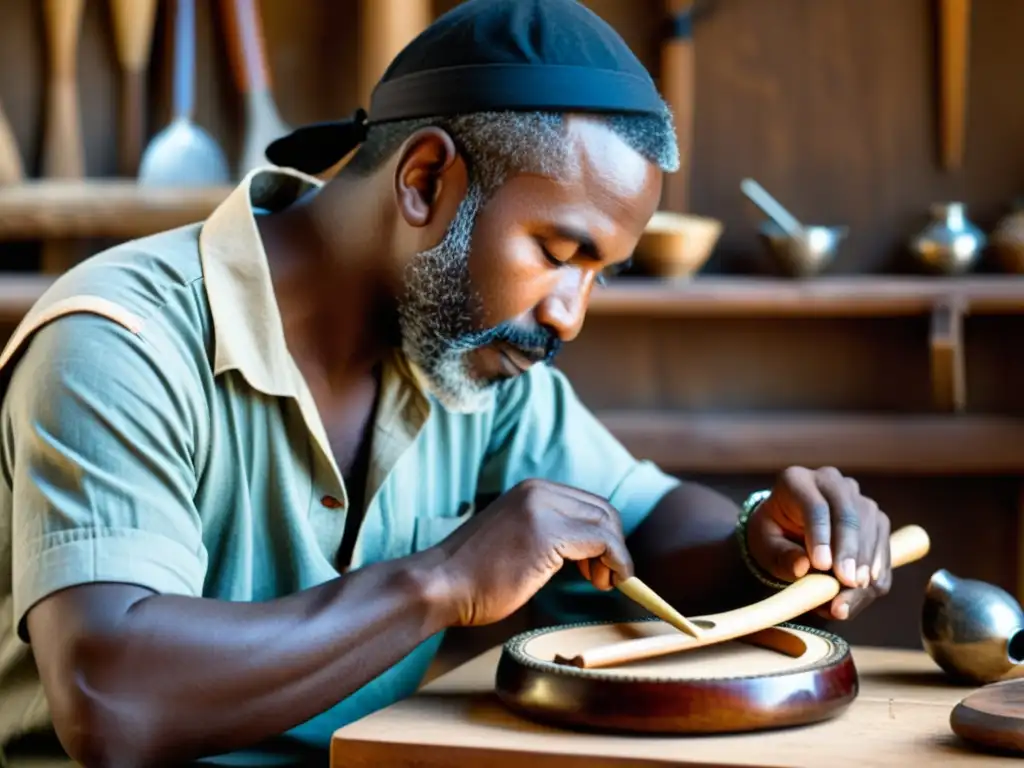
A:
x: 330, y: 502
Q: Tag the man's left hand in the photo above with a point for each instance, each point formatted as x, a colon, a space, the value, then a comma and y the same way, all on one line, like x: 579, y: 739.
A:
x: 819, y: 519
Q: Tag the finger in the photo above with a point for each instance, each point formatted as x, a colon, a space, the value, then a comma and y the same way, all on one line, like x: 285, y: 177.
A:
x: 851, y: 602
x: 585, y: 534
x: 814, y: 514
x: 584, y: 566
x: 868, y: 540
x: 774, y: 551
x: 881, y: 564
x: 601, y: 575
x: 845, y: 524
x: 586, y: 509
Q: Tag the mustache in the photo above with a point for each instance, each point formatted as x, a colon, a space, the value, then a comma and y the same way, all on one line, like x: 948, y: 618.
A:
x: 538, y: 345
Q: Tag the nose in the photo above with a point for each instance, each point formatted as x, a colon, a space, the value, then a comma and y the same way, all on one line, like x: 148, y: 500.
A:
x: 564, y: 309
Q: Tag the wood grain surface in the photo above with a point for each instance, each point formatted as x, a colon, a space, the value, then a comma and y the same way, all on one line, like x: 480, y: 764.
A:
x: 900, y: 719
x: 993, y: 717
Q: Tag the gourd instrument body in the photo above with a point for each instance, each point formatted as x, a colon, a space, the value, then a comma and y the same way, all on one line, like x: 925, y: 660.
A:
x: 750, y: 669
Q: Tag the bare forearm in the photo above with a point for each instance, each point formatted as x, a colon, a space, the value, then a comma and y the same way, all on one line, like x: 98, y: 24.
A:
x: 687, y: 550
x: 182, y: 677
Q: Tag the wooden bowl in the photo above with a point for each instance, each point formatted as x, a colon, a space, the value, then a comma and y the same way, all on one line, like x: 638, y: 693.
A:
x: 676, y: 245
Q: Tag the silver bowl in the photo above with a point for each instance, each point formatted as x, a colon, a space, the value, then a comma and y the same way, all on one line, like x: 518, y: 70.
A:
x: 809, y: 254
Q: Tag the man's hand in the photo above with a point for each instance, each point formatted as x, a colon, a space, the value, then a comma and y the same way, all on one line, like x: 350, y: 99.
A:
x: 498, y: 560
x: 819, y: 519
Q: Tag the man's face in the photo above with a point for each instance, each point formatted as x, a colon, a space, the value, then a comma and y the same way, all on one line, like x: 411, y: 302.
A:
x: 510, y: 281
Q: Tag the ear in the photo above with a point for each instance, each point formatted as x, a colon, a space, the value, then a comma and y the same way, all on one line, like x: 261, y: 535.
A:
x: 429, y: 170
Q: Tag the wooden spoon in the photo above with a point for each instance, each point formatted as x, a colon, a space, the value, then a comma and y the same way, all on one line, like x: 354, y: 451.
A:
x: 133, y: 22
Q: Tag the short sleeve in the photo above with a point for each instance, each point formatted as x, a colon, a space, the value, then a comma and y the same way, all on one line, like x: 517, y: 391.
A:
x: 99, y: 428
x: 542, y: 429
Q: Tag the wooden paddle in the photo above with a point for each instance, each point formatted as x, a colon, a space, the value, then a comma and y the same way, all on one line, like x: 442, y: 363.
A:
x: 11, y: 169
x: 63, y: 143
x: 251, y: 72
x: 992, y: 717
x: 954, y: 28
x: 812, y: 591
x: 63, y: 150
x: 133, y: 22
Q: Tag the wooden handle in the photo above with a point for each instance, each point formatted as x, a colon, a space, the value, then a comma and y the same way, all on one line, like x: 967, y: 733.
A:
x: 954, y: 26
x: 643, y: 595
x: 11, y: 169
x: 906, y: 545
x: 677, y: 86
x: 184, y: 58
x: 246, y: 47
x: 133, y: 22
x: 63, y: 150
x: 63, y: 20
x: 387, y: 27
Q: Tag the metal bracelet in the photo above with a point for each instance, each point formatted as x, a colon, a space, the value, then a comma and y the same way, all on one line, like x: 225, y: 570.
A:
x: 749, y: 506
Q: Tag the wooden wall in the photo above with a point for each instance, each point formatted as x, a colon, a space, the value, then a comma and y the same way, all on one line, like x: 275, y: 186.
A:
x: 830, y: 104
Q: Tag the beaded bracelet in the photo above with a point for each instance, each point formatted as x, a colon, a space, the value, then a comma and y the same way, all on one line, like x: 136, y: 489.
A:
x: 751, y: 504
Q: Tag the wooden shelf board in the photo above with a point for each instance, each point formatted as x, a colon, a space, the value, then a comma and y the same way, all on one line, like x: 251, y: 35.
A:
x: 845, y: 296
x: 734, y: 297
x: 18, y: 292
x: 116, y: 208
x: 885, y: 444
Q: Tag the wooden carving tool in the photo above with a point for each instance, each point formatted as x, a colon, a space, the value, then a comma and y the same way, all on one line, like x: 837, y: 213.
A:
x: 133, y: 22
x: 253, y: 79
x: 954, y: 30
x: 644, y: 596
x: 11, y: 169
x: 812, y: 591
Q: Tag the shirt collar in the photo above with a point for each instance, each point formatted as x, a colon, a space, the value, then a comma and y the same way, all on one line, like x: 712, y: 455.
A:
x: 248, y: 333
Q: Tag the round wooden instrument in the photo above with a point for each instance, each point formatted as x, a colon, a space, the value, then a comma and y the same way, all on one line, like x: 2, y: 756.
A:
x: 780, y: 676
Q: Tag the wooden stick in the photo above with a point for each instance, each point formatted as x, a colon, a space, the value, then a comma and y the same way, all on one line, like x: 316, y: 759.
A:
x: 643, y: 595
x: 954, y: 25
x: 133, y: 22
x: 12, y: 171
x: 677, y: 84
x: 906, y: 545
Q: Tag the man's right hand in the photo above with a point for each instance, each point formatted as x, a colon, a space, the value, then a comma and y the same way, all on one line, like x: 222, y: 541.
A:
x: 500, y: 558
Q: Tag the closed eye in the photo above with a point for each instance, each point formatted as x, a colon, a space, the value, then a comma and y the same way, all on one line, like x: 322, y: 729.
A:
x: 613, y: 271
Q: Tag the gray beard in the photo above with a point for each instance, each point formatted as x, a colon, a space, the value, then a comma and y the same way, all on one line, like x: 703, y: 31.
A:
x: 438, y: 312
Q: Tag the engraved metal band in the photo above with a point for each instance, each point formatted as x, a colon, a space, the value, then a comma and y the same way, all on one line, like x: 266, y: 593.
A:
x: 751, y: 504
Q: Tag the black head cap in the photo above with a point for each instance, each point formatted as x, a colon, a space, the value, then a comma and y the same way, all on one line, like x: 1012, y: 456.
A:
x: 490, y: 55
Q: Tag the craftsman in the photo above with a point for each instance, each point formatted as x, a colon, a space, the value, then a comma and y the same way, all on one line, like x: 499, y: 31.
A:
x: 253, y: 468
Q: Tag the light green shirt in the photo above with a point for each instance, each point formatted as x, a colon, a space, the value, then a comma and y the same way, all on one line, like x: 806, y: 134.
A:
x: 156, y: 430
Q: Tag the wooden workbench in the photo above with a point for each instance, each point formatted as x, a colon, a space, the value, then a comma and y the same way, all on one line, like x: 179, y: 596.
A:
x: 901, y: 718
